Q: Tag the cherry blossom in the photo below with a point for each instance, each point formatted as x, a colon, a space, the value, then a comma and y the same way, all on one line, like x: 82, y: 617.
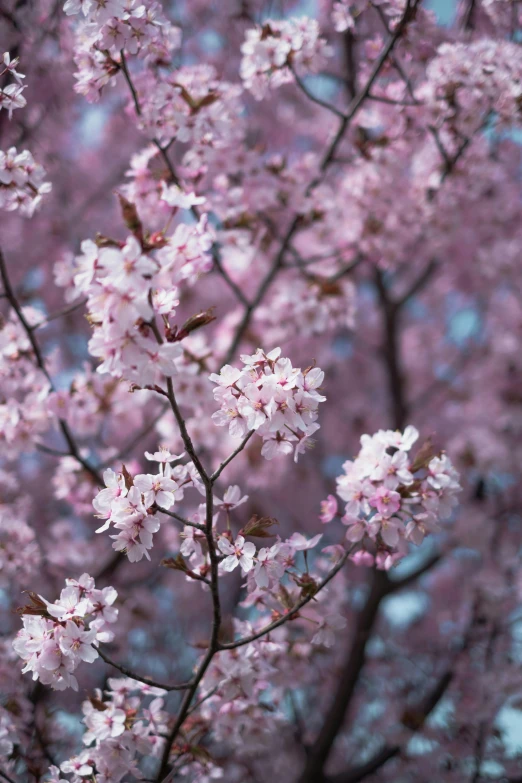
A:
x: 271, y: 397
x: 57, y: 636
x: 268, y: 51
x: 240, y: 553
x: 385, y: 487
x: 338, y: 179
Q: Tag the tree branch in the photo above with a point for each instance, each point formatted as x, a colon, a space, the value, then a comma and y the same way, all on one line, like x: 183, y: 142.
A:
x: 180, y: 518
x: 327, y: 159
x: 311, y: 97
x: 414, y: 719
x: 406, y: 581
x: 229, y: 459
x: 418, y: 284
x: 58, y: 314
x: 74, y: 450
x: 147, y: 680
x: 291, y: 612
x: 345, y: 687
x: 391, y: 352
x: 7, y: 777
x: 162, y: 149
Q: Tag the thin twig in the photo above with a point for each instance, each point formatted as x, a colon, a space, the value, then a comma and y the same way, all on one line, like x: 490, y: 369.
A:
x: 181, y: 519
x: 291, y: 612
x: 128, y: 447
x: 229, y: 459
x: 147, y: 680
x: 419, y: 283
x: 163, y: 150
x: 53, y: 452
x: 327, y: 159
x: 324, y: 104
x: 58, y: 314
x: 203, y: 699
x: 7, y: 777
x: 74, y: 450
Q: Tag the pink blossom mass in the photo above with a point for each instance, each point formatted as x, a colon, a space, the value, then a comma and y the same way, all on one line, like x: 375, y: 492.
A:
x: 260, y: 391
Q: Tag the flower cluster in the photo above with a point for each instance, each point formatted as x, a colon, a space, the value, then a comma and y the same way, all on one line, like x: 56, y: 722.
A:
x: 127, y: 288
x: 20, y: 554
x: 192, y: 106
x: 468, y: 82
x: 91, y: 397
x: 309, y: 308
x: 120, y: 727
x: 269, y: 396
x: 392, y: 497
x: 109, y: 27
x: 345, y: 12
x: 22, y: 182
x: 238, y: 682
x: 11, y: 96
x: 265, y: 568
x: 131, y: 503
x: 57, y: 637
x: 273, y: 51
x: 24, y: 389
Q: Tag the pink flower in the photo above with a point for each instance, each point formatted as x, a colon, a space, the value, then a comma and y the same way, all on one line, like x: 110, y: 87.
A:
x: 328, y: 509
x: 267, y: 567
x: 300, y: 543
x: 357, y: 528
x: 386, y: 501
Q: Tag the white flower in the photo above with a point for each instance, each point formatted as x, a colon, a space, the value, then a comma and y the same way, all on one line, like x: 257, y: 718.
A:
x: 175, y: 197
x: 240, y: 553
x: 231, y: 499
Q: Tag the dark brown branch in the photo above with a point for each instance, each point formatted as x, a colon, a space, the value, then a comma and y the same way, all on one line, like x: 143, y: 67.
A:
x: 406, y: 581
x: 346, y: 685
x: 180, y: 518
x: 214, y: 636
x: 7, y: 777
x: 364, y: 770
x: 419, y: 283
x: 377, y: 68
x: 391, y: 353
x: 291, y: 613
x: 140, y: 678
x: 187, y: 441
x: 311, y: 97
x: 327, y: 159
x: 59, y: 314
x: 217, y: 473
x: 381, y: 586
x: 48, y: 450
x: 414, y: 719
x: 350, y: 64
x: 468, y: 21
x: 110, y: 567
